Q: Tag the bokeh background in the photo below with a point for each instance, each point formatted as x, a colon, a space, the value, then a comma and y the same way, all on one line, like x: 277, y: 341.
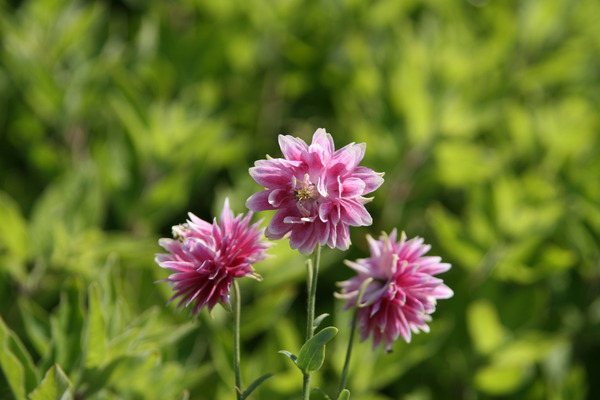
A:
x: 119, y: 117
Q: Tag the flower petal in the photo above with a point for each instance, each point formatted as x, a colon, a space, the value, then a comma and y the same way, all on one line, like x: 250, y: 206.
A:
x: 352, y: 187
x: 277, y: 227
x: 371, y: 178
x: 272, y: 174
x: 354, y: 213
x: 260, y: 201
x: 325, y: 141
x: 350, y: 155
x: 292, y: 147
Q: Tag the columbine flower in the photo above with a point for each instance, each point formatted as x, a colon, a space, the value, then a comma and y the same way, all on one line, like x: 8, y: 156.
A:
x: 207, y: 257
x: 402, y: 293
x: 316, y: 190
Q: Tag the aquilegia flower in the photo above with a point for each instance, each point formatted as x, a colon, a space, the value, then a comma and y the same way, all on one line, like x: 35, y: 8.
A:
x: 205, y: 258
x: 318, y: 192
x: 403, y: 290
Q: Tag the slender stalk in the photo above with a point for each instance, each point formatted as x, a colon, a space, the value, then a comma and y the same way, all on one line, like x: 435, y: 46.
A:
x: 359, y: 304
x: 236, y: 340
x: 344, y: 377
x: 311, y: 283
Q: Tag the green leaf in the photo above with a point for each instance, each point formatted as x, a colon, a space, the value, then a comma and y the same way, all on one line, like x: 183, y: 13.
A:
x: 16, y: 363
x: 485, y: 328
x: 499, y: 380
x: 96, y: 340
x: 54, y: 386
x: 312, y: 353
x: 36, y: 324
x: 345, y: 395
x: 289, y: 355
x: 67, y: 325
x: 255, y: 384
x: 324, y: 393
x: 319, y: 319
x: 13, y: 237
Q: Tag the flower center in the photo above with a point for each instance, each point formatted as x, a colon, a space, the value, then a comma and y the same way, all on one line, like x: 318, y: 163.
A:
x: 180, y: 232
x: 304, y: 192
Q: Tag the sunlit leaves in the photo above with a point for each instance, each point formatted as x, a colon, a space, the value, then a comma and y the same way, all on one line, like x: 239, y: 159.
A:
x: 487, y: 333
x: 16, y: 363
x: 54, y: 386
x: 115, y: 121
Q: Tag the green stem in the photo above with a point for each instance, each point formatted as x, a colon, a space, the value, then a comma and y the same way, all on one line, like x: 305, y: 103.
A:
x: 311, y: 283
x: 359, y: 304
x: 236, y: 340
x: 348, y: 354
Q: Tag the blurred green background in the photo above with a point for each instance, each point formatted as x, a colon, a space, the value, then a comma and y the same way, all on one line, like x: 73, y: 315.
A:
x: 118, y: 117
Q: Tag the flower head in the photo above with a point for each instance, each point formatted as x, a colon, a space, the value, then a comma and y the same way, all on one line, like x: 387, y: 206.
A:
x: 318, y: 191
x: 402, y: 293
x: 205, y: 258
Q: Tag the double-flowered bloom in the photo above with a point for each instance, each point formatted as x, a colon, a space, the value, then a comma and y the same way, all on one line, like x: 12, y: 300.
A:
x: 402, y: 292
x: 205, y: 258
x: 318, y: 192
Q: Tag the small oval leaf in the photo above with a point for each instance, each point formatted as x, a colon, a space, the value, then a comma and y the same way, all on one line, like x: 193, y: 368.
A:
x: 345, y: 395
x: 289, y: 355
x: 319, y: 319
x: 312, y: 353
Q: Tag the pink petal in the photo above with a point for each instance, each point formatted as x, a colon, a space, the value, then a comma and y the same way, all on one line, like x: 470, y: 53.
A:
x: 325, y: 142
x: 277, y: 227
x: 259, y: 201
x: 442, y: 292
x: 342, y: 237
x: 291, y: 147
x: 350, y: 155
x: 325, y: 210
x: 354, y: 214
x: 371, y: 178
x: 432, y: 265
x: 278, y: 197
x: 226, y: 216
x: 303, y: 238
x: 199, y: 224
x: 272, y: 173
x: 352, y: 187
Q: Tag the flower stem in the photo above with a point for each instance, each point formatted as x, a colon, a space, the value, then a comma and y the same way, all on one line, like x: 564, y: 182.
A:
x: 348, y: 354
x: 359, y: 304
x: 311, y: 283
x: 236, y: 340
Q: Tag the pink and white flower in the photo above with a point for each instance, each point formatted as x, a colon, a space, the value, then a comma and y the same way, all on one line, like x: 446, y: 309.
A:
x: 206, y: 258
x: 402, y: 293
x: 318, y: 191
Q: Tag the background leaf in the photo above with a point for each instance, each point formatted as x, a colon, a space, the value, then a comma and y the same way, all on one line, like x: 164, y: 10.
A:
x: 118, y: 118
x: 54, y: 385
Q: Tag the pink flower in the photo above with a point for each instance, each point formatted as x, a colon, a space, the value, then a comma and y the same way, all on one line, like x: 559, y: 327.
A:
x: 318, y: 192
x: 205, y: 258
x: 403, y: 291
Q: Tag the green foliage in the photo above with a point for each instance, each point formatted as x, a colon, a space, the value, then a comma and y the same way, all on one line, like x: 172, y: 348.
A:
x: 312, y: 353
x: 55, y: 385
x: 116, y: 118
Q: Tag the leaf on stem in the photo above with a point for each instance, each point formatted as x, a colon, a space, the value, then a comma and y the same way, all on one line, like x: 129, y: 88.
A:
x: 256, y: 383
x: 312, y: 353
x: 289, y: 355
x: 325, y: 395
x: 345, y: 395
x: 319, y: 319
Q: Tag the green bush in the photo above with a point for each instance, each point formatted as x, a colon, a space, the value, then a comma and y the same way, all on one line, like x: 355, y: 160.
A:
x: 116, y: 118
